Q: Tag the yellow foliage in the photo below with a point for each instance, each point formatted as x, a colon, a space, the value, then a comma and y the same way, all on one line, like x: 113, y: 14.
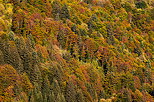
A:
x: 2, y: 24
x: 9, y: 11
x: 83, y: 26
x: 25, y: 82
x: 102, y: 100
x: 105, y: 100
x: 1, y: 33
x: 9, y: 5
x: 139, y: 94
x: 2, y: 8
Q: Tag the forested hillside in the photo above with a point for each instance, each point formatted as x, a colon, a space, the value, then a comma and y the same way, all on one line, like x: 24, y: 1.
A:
x: 76, y: 51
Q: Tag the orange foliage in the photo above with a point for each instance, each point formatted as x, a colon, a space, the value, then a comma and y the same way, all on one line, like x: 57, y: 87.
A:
x: 42, y: 50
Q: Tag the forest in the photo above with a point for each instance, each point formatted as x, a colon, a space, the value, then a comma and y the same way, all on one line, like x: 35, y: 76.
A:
x: 76, y: 50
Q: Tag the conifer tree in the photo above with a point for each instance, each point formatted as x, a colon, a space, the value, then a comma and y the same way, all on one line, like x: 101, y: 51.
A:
x: 70, y: 93
x: 56, y: 9
x: 64, y: 14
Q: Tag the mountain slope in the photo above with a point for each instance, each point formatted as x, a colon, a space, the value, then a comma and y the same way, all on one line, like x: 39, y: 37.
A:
x: 76, y: 51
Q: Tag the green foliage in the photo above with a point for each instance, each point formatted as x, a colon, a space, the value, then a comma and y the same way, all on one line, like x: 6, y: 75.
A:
x: 141, y: 4
x: 64, y: 14
x: 88, y: 1
x: 127, y: 6
x: 56, y: 9
x: 152, y: 13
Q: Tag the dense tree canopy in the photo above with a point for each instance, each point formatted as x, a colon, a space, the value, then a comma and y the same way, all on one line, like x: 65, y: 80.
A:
x: 76, y: 51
